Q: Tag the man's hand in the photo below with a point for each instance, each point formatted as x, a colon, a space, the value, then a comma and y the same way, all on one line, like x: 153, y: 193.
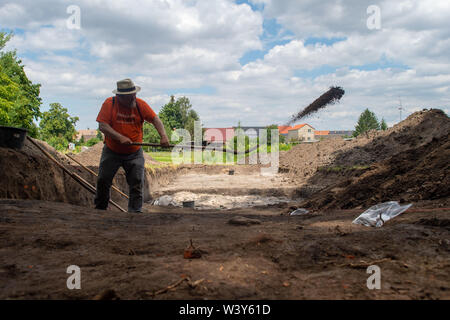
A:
x: 113, y: 134
x: 162, y: 132
x: 164, y: 141
x: 125, y: 140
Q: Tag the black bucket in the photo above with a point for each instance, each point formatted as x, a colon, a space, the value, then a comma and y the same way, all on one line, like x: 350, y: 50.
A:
x: 11, y: 137
x: 188, y: 204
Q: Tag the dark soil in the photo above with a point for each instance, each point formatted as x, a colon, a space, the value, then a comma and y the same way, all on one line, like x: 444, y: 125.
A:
x: 317, y: 256
x: 29, y: 174
x: 421, y: 174
x: 333, y: 95
x: 407, y: 163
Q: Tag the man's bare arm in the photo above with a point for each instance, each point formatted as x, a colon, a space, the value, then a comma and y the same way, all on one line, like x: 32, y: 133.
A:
x: 162, y: 132
x: 113, y: 134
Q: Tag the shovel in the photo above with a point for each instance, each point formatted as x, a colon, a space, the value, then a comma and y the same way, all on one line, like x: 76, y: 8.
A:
x: 224, y: 149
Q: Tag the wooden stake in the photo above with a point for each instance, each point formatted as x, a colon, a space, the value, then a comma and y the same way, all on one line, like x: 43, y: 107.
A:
x: 76, y: 177
x: 92, y: 172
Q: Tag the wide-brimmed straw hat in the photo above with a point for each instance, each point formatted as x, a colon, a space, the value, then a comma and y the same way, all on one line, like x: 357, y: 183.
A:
x: 126, y: 86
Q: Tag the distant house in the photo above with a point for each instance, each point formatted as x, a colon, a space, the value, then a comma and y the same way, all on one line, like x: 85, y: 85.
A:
x: 300, y: 132
x: 86, y: 134
x: 218, y: 135
x: 283, y: 130
x: 329, y: 134
x: 319, y: 135
x: 341, y: 133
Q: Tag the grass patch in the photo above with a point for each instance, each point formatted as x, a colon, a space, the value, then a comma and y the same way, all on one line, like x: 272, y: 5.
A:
x: 211, y: 157
x: 161, y: 156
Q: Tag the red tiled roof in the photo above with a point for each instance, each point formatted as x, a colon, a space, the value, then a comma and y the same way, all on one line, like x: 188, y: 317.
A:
x: 219, y: 134
x: 281, y: 129
x: 285, y: 129
x: 322, y: 133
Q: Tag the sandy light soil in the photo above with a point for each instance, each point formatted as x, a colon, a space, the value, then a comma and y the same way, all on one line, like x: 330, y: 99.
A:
x: 224, y: 191
x: 317, y: 256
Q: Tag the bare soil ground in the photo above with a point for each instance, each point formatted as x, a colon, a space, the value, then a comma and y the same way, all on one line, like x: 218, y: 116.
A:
x: 29, y: 174
x: 407, y: 163
x: 421, y: 176
x: 223, y: 190
x: 319, y: 256
x: 47, y: 223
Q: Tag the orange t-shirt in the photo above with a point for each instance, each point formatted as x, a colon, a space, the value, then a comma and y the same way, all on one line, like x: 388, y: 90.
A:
x: 125, y: 121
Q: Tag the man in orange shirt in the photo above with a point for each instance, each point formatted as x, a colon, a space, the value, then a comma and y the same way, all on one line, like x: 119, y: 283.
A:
x: 121, y: 119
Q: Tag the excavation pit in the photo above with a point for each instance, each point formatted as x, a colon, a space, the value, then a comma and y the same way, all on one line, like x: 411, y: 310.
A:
x: 223, y: 191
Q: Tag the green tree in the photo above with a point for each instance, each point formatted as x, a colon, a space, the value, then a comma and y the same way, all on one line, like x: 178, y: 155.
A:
x: 19, y: 100
x: 99, y: 135
x: 177, y: 114
x: 192, y: 116
x: 383, y: 125
x: 150, y: 133
x: 367, y: 121
x: 185, y: 107
x: 171, y: 114
x: 92, y: 141
x: 4, y: 38
x: 269, y: 133
x: 9, y: 91
x: 57, y: 126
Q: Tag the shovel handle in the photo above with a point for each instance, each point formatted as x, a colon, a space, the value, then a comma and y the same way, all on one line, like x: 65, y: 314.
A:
x: 224, y: 149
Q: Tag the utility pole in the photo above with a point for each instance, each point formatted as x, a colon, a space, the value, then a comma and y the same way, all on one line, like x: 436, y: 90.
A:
x: 400, y: 107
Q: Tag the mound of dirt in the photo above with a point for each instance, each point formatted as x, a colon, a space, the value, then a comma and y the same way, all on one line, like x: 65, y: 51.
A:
x: 91, y: 156
x: 29, y: 174
x: 408, y: 163
x: 419, y: 129
x: 303, y: 160
x: 420, y: 175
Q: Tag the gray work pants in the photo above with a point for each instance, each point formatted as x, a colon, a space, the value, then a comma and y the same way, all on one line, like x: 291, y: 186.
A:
x: 133, y: 164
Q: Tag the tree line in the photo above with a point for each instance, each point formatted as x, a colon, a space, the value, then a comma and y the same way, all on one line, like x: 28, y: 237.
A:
x: 20, y: 103
x: 176, y: 114
x: 20, y: 107
x: 368, y: 121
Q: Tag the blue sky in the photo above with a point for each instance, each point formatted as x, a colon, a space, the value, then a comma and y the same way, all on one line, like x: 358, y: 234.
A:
x: 257, y: 61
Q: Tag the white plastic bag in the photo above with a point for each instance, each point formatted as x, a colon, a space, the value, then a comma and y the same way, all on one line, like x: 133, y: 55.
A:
x: 164, y: 201
x: 377, y: 215
x: 299, y: 212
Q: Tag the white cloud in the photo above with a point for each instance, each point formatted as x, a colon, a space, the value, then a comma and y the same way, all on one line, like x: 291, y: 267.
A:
x: 10, y: 13
x: 173, y: 44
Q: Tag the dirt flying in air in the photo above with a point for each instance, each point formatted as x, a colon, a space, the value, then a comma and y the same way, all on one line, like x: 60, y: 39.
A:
x: 330, y: 97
